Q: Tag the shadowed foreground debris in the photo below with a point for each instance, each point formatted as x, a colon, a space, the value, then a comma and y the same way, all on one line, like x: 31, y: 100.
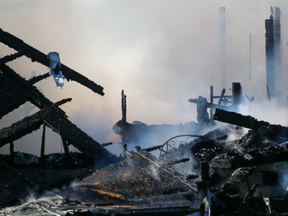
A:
x: 211, y: 173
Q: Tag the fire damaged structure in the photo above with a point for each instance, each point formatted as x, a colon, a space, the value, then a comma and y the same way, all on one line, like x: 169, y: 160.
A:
x: 273, y: 52
x: 210, y: 174
x: 238, y: 168
x: 15, y: 91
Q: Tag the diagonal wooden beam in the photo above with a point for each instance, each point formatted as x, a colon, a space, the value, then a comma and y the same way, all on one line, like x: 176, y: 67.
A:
x: 36, y: 55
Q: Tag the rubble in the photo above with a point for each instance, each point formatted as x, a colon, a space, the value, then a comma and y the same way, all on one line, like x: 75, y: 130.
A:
x: 208, y: 175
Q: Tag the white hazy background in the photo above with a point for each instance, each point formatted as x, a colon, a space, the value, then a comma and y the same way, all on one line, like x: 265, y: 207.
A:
x: 160, y: 52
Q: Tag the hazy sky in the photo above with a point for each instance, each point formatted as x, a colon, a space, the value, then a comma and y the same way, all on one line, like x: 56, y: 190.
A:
x: 161, y: 52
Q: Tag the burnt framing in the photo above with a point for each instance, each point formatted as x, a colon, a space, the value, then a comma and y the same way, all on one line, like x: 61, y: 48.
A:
x: 15, y: 91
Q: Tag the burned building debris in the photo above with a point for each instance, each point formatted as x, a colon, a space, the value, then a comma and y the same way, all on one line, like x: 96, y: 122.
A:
x: 227, y: 171
x: 226, y: 177
x: 133, y: 133
x: 225, y: 102
x: 15, y: 91
x: 273, y: 52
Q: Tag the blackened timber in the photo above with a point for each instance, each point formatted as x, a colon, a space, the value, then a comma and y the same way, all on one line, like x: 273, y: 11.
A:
x: 39, y: 78
x: 79, y: 139
x: 63, y: 101
x: 65, y: 145
x: 153, y: 148
x: 43, y: 144
x: 211, y: 102
x: 221, y: 97
x: 124, y: 108
x: 178, y: 161
x: 53, y: 117
x: 12, y: 57
x: 23, y: 127
x: 238, y: 119
x: 236, y: 95
x: 270, y: 56
x: 278, y: 45
x: 273, y: 154
x: 35, y: 55
x: 15, y: 91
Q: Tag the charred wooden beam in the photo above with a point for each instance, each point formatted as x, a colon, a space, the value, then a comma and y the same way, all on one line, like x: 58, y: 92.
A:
x: 11, y: 57
x: 23, y: 127
x: 273, y: 154
x: 12, y: 153
x: 43, y: 145
x: 221, y: 97
x: 15, y: 91
x: 35, y: 55
x: 238, y: 119
x: 270, y: 56
x: 153, y: 148
x: 38, y: 78
x: 79, y: 139
x: 202, y: 106
x: 178, y: 161
x: 211, y: 101
x: 124, y: 107
x: 53, y: 117
x: 65, y: 145
x: 236, y: 95
x: 63, y: 101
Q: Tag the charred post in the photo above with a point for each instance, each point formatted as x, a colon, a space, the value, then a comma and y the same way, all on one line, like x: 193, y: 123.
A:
x: 12, y: 153
x: 43, y: 144
x: 270, y: 56
x: 278, y: 46
x: 221, y: 97
x: 236, y: 95
x: 65, y: 145
x: 123, y: 107
x: 202, y: 106
x: 211, y: 102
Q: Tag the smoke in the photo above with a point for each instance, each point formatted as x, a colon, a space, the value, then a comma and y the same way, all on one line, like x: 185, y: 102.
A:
x: 161, y: 53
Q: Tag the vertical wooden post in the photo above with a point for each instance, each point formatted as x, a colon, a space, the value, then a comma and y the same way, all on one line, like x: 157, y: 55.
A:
x: 123, y: 106
x: 236, y: 95
x: 65, y: 145
x: 43, y: 145
x: 211, y: 103
x: 12, y: 154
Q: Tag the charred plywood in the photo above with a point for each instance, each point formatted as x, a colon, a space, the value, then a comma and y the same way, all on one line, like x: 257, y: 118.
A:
x: 141, y: 182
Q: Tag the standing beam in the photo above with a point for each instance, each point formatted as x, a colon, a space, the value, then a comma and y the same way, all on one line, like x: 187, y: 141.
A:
x: 12, y: 153
x: 65, y: 145
x: 124, y: 108
x: 236, y: 95
x: 211, y: 102
x: 43, y: 144
x: 270, y: 66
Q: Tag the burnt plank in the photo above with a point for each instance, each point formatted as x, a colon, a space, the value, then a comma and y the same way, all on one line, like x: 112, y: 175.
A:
x: 36, y: 55
x: 238, y: 119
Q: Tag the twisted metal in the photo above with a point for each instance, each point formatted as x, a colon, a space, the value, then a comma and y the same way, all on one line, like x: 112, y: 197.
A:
x: 170, y: 143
